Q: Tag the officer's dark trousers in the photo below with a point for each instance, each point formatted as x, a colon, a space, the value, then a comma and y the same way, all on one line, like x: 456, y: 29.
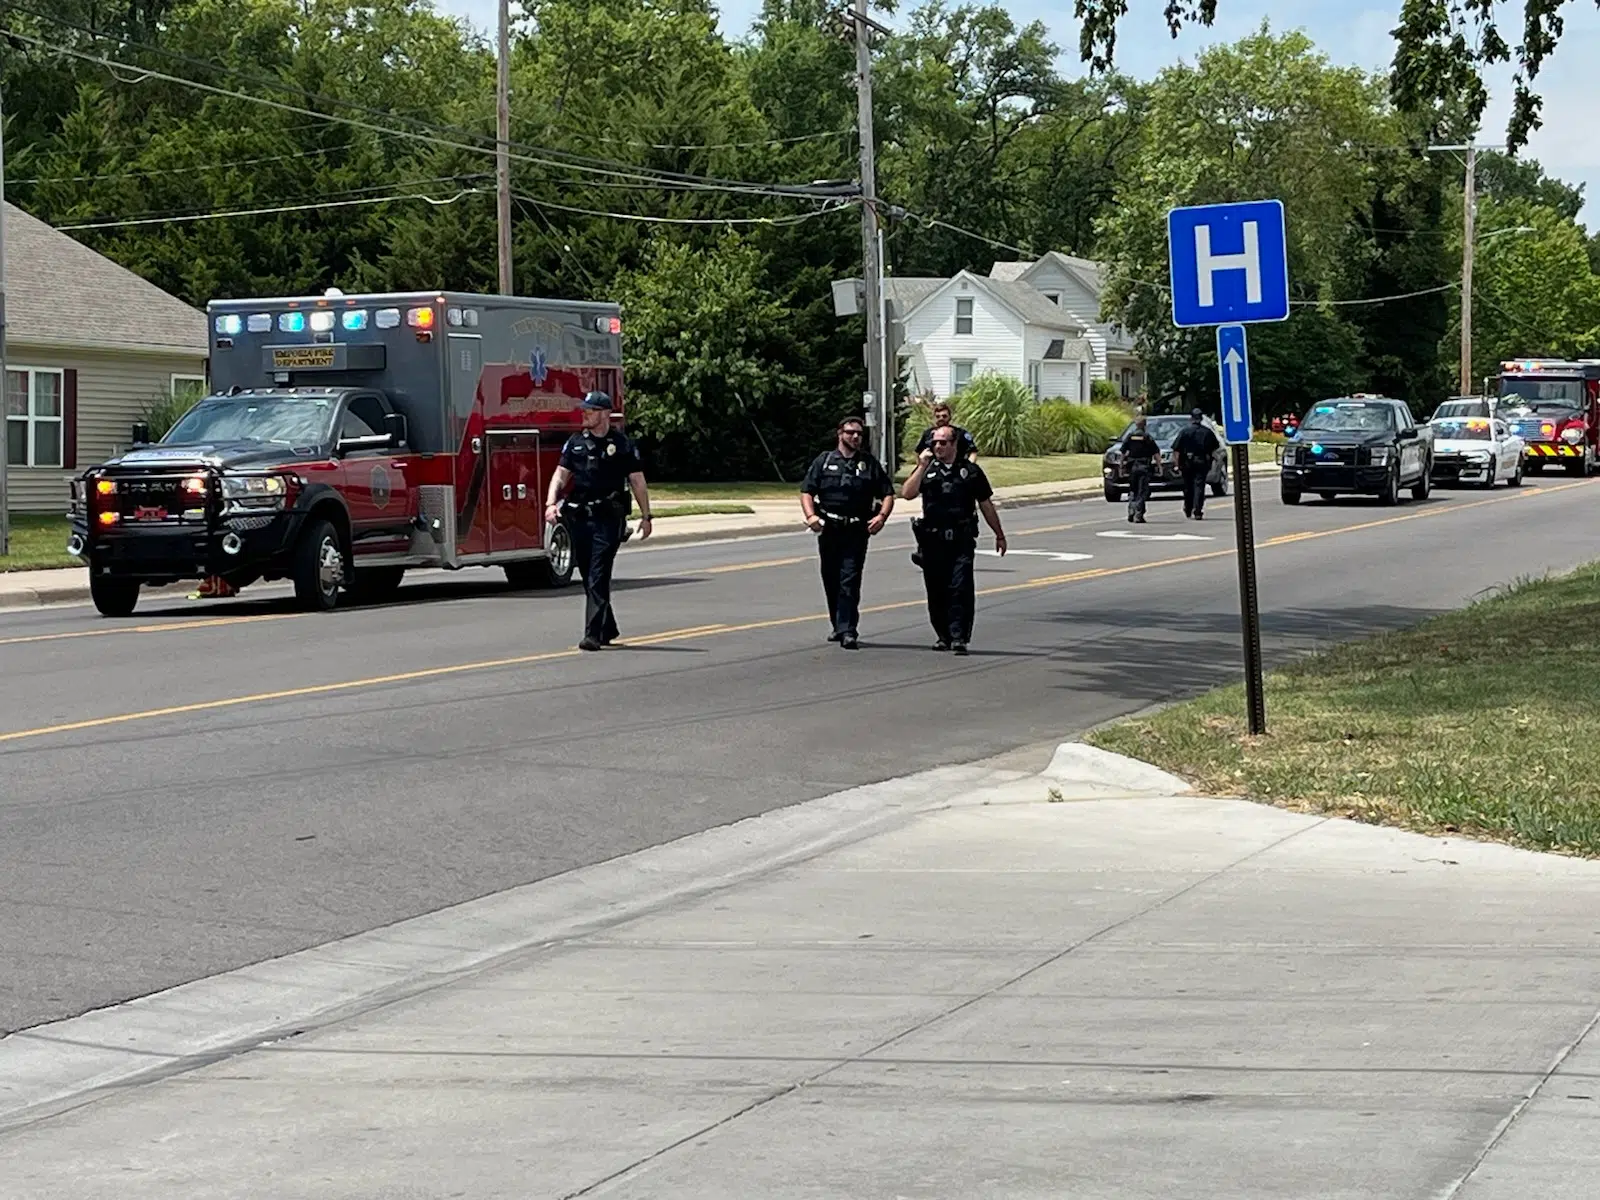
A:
x: 1138, y: 489
x: 1194, y: 489
x: 947, y: 575
x: 595, y: 542
x: 844, y: 554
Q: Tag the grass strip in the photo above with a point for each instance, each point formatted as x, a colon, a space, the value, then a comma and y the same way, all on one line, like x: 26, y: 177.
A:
x: 38, y: 543
x: 1483, y: 722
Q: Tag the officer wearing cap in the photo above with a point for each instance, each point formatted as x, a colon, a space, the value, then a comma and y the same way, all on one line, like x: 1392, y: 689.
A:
x: 601, y: 464
x: 1194, y: 448
x: 838, y: 496
x: 953, y: 490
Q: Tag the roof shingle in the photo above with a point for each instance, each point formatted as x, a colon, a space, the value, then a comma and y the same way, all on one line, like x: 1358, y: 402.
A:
x: 61, y: 293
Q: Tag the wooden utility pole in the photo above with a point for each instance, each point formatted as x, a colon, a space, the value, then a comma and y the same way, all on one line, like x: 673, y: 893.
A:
x: 5, y: 420
x: 503, y: 148
x: 880, y: 392
x: 1468, y: 235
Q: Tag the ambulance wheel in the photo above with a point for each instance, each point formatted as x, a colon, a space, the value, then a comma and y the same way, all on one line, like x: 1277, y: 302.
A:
x: 114, y: 597
x: 555, y: 569
x: 1113, y: 495
x: 318, y: 568
x: 377, y: 585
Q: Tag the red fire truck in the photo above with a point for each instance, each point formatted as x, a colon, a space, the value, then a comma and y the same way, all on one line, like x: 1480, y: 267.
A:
x: 1554, y: 407
x: 348, y: 439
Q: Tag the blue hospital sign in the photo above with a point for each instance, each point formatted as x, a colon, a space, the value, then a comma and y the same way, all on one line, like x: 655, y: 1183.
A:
x: 1230, y: 263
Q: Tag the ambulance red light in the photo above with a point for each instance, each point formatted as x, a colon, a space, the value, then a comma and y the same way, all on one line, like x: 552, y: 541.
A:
x: 611, y: 325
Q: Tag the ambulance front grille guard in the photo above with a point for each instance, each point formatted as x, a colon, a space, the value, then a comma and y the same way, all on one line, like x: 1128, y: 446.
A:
x: 436, y: 515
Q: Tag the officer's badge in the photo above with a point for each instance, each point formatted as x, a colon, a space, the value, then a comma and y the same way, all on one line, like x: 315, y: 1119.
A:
x: 611, y: 447
x: 963, y: 472
x: 861, y: 468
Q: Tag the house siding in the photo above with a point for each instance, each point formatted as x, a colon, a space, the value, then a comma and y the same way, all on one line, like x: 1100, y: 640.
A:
x: 1060, y: 381
x: 1079, y: 300
x: 114, y: 388
x: 933, y: 344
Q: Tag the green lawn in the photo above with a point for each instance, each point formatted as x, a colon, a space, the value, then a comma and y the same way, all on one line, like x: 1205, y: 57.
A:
x: 37, y: 542
x: 1483, y: 722
x: 698, y: 510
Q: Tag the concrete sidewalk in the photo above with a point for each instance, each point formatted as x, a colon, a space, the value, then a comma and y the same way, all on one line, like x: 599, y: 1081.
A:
x: 70, y: 585
x: 1083, y: 983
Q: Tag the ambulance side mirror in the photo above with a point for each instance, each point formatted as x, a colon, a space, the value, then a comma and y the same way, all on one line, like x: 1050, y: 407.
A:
x: 394, y: 425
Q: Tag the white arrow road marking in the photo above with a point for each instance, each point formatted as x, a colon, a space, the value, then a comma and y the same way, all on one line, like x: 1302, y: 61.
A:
x: 1157, y: 537
x: 1059, y: 556
x: 1233, y: 360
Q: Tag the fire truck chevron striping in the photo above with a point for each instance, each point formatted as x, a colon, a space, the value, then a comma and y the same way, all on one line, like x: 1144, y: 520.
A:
x: 347, y: 439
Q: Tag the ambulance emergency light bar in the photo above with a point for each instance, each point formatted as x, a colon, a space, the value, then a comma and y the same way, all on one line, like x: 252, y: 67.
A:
x: 354, y: 320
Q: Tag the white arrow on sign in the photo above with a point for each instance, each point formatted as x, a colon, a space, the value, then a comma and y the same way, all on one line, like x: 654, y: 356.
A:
x: 1059, y: 556
x: 1233, y: 360
x: 1157, y: 537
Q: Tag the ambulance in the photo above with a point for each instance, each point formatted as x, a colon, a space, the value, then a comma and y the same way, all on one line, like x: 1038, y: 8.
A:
x: 348, y: 439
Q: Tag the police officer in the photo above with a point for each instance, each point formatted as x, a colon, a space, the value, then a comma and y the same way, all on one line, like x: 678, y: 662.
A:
x: 1194, y: 449
x: 943, y: 418
x: 1141, y: 452
x: 966, y: 447
x: 838, y: 496
x: 602, y: 464
x: 953, y: 489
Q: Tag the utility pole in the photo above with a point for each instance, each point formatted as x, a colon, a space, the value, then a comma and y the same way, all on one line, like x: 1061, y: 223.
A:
x: 5, y: 419
x: 880, y: 394
x: 1469, y: 201
x: 503, y: 147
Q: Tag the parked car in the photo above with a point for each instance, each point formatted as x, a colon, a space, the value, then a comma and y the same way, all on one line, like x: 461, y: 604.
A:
x: 1476, y: 450
x: 1166, y: 477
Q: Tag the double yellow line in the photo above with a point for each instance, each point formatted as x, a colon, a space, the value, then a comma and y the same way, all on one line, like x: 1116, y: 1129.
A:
x: 700, y: 631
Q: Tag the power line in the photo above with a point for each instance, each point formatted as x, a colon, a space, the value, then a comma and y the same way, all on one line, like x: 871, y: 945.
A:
x: 793, y: 219
x: 267, y: 212
x: 563, y: 158
x: 189, y: 170
x: 784, y: 141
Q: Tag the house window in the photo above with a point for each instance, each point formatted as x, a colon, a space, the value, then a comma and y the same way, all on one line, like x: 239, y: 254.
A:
x: 1035, y: 383
x: 33, y: 417
x: 964, y: 315
x: 1053, y: 297
x: 960, y: 375
x: 187, y: 383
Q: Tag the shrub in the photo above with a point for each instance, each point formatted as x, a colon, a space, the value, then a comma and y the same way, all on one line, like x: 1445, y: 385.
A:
x: 1002, y: 416
x: 1272, y: 437
x: 164, y: 410
x: 1103, y: 391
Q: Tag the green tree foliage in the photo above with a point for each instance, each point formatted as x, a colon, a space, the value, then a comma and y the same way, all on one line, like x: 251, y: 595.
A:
x: 319, y: 143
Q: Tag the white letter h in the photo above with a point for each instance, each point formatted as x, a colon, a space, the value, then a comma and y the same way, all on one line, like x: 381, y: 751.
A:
x: 1248, y: 261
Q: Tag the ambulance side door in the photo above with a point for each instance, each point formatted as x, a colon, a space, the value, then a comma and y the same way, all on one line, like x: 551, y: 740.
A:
x: 372, y: 478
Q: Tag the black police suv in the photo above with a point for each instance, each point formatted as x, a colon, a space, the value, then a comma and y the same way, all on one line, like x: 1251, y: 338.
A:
x: 1358, y: 446
x: 1166, y: 477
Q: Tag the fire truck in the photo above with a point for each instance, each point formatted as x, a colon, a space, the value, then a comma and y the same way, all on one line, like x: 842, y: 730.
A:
x: 348, y: 439
x: 1554, y: 407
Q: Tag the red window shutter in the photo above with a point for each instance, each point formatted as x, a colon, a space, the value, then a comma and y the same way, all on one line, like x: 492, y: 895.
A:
x: 69, y: 419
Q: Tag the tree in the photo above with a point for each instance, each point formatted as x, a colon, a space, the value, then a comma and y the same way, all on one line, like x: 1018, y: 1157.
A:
x: 1533, y: 294
x: 1267, y: 116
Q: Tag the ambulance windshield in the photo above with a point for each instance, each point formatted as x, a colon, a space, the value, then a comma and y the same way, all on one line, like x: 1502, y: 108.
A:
x: 294, y: 420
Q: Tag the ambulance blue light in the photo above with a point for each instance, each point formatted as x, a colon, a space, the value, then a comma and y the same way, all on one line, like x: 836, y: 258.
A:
x: 355, y: 319
x: 294, y: 322
x: 230, y: 325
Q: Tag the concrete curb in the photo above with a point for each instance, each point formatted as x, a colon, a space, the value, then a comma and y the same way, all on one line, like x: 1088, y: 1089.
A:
x: 76, y: 593
x: 49, y: 1068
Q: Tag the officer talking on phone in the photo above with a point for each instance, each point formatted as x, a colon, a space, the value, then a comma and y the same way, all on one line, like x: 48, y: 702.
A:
x: 953, y: 489
x: 838, y: 496
x: 602, y: 465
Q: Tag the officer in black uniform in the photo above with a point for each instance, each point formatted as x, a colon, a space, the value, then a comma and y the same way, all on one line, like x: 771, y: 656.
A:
x: 966, y: 447
x: 1141, y: 452
x: 1194, y: 449
x: 602, y: 464
x: 846, y: 497
x: 953, y: 489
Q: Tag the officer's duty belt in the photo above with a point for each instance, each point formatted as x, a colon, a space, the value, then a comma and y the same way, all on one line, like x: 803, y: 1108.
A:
x: 838, y: 519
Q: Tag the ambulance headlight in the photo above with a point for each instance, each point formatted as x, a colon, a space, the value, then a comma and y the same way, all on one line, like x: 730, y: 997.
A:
x: 254, y: 491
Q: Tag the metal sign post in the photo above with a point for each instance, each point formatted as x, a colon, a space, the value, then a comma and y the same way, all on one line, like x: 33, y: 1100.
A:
x: 1230, y: 267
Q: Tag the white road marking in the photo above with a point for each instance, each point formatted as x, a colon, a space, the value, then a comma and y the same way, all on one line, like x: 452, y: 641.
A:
x: 1157, y: 537
x: 1058, y: 555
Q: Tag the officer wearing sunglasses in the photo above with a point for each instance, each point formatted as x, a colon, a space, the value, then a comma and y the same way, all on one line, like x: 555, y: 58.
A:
x: 846, y: 497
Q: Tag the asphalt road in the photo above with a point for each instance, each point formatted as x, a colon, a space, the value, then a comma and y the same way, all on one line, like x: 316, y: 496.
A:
x: 209, y: 784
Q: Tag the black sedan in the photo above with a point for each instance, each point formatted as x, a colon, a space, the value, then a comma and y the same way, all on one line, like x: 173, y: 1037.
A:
x: 1166, y: 477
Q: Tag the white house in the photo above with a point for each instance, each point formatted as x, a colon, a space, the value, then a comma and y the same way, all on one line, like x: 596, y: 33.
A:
x: 949, y: 330
x: 1076, y: 285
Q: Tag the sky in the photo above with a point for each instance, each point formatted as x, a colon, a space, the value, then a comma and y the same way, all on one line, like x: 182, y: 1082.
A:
x: 1349, y: 32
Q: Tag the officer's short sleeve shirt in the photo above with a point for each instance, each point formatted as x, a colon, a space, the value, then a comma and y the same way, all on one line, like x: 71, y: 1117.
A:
x: 600, y: 466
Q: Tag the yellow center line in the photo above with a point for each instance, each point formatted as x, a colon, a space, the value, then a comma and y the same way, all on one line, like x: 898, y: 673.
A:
x: 754, y: 566
x: 699, y: 631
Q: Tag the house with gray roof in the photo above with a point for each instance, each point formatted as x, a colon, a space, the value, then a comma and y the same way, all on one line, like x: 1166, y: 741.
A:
x: 947, y: 331
x: 89, y: 346
x: 1076, y: 285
